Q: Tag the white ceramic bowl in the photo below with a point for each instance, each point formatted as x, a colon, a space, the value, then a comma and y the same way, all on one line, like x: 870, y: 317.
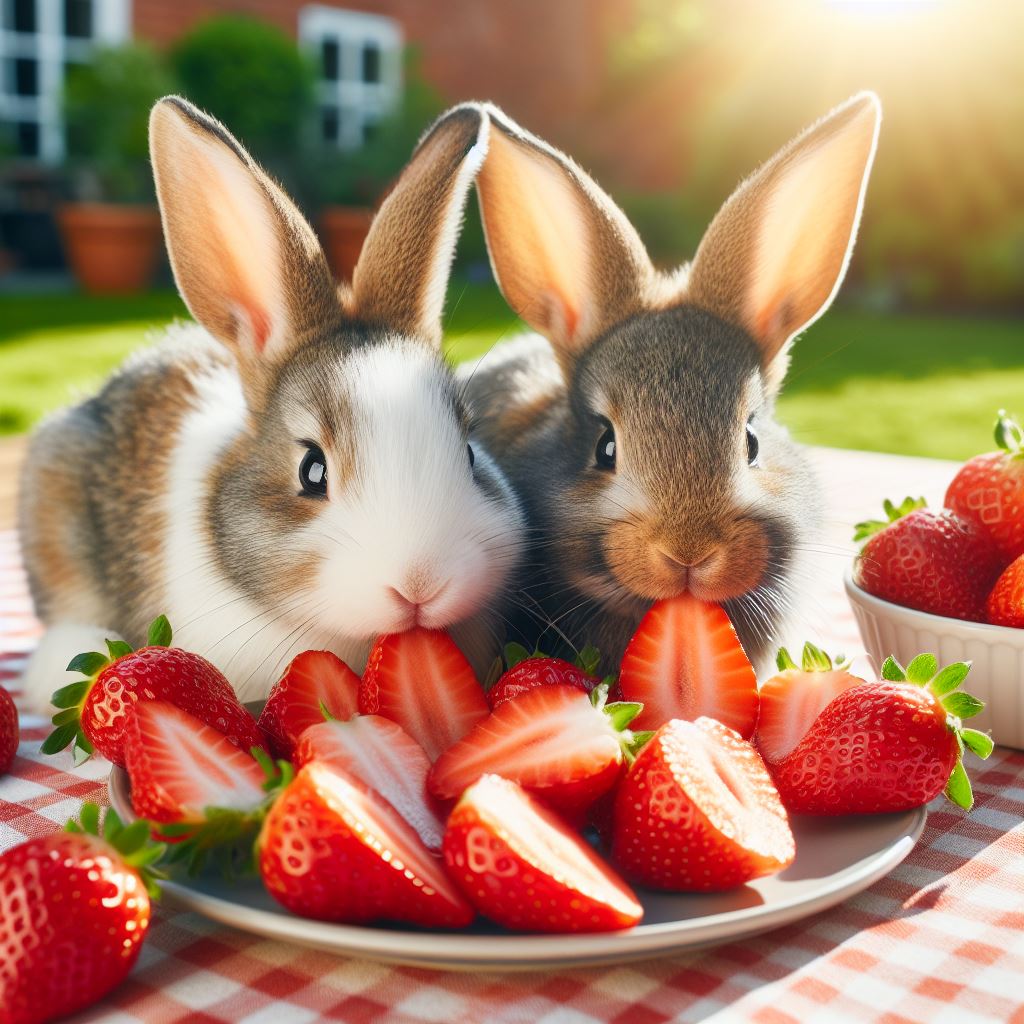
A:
x: 996, y: 654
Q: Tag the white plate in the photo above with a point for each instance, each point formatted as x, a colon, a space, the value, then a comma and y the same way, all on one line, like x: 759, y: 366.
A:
x: 835, y: 859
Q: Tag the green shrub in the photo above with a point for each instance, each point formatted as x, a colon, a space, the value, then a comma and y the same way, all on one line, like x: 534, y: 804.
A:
x: 106, y: 112
x: 252, y: 77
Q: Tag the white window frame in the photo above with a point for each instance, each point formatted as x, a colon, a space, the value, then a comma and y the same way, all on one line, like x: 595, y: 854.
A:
x: 358, y: 103
x: 51, y: 48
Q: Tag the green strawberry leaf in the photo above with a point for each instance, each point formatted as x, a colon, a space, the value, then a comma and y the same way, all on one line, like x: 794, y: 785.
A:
x: 958, y: 788
x: 622, y: 713
x: 784, y: 661
x: 979, y: 743
x: 64, y: 717
x: 59, y: 738
x: 326, y: 712
x: 514, y: 654
x: 118, y: 649
x: 950, y: 678
x: 89, y: 663
x: 1009, y: 435
x: 71, y: 695
x: 963, y: 705
x: 814, y: 659
x: 922, y: 669
x: 869, y: 527
x: 159, y: 632
x: 589, y: 660
x: 90, y: 818
x: 893, y: 671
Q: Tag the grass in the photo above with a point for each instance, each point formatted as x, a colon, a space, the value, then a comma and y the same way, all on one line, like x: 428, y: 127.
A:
x: 917, y: 385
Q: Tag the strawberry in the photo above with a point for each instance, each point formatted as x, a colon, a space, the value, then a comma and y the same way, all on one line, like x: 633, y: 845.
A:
x: 94, y: 711
x: 179, y: 766
x: 932, y: 561
x: 793, y: 699
x: 422, y: 681
x: 886, y: 746
x: 697, y: 811
x: 564, y: 746
x: 527, y: 671
x: 9, y: 732
x: 685, y: 661
x: 381, y: 754
x: 988, y: 491
x: 521, y: 866
x: 74, y: 911
x: 208, y: 796
x: 312, y: 681
x: 1005, y: 604
x: 333, y: 849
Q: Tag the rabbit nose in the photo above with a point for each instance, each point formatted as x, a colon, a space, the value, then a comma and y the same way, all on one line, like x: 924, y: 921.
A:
x: 419, y: 590
x: 679, y: 566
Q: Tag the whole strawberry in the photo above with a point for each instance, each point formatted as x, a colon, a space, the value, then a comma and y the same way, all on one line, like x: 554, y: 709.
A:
x: 1005, y: 604
x: 93, y: 712
x: 9, y: 734
x: 886, y: 746
x: 988, y: 491
x: 933, y: 561
x: 527, y: 671
x: 74, y: 910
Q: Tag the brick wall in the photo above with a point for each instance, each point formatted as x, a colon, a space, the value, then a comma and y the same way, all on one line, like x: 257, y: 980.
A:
x: 542, y: 60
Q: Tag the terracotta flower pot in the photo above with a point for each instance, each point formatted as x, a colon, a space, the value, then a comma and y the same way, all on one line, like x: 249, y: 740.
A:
x: 344, y: 229
x: 111, y: 249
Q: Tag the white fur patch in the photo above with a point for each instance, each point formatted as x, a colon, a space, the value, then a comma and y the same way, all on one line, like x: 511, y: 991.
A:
x: 47, y: 668
x: 413, y: 519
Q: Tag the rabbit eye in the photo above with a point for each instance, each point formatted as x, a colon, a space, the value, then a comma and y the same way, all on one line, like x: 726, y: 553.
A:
x: 313, y: 472
x: 753, y: 446
x: 605, y: 454
x: 472, y: 456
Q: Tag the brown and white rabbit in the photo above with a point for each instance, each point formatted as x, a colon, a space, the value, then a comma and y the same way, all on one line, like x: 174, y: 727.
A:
x: 641, y: 433
x: 294, y: 470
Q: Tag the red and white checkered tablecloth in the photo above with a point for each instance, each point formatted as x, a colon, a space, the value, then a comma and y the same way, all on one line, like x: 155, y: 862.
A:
x: 940, y: 939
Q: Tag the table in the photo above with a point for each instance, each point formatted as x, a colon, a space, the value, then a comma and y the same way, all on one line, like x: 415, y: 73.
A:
x: 940, y: 939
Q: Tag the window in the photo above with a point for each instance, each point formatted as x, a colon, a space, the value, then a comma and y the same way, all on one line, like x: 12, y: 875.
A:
x: 360, y: 63
x: 38, y: 40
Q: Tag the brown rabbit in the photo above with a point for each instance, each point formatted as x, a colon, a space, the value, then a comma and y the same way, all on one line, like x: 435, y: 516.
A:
x: 640, y: 430
x: 294, y: 470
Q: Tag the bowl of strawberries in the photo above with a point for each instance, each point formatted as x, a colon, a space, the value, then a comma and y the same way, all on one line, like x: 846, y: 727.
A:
x: 952, y: 580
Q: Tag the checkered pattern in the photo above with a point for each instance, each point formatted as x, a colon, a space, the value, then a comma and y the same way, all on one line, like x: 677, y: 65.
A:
x: 940, y: 939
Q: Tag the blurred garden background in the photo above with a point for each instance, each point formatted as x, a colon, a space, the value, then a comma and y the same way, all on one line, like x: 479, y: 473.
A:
x: 669, y: 103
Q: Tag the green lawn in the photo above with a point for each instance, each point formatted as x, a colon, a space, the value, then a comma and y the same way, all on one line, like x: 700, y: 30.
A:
x: 923, y: 385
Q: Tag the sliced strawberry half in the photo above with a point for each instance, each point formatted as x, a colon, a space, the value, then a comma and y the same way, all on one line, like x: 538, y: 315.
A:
x: 519, y: 865
x: 698, y: 812
x: 332, y: 848
x: 684, y: 661
x: 793, y: 699
x: 383, y: 755
x: 422, y: 681
x: 314, y: 680
x: 180, y: 766
x: 563, y: 745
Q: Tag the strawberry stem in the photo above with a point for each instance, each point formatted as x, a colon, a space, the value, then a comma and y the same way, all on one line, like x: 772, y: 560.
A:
x: 70, y: 699
x: 1009, y: 435
x: 869, y: 527
x: 132, y: 842
x: 944, y: 685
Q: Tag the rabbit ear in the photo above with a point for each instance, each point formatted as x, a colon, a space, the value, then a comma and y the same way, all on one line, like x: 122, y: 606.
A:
x: 246, y: 263
x: 776, y: 253
x: 402, y: 273
x: 565, y: 257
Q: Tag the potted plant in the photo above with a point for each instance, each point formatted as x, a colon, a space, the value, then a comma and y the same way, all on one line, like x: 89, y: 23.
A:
x: 111, y: 231
x: 351, y: 184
